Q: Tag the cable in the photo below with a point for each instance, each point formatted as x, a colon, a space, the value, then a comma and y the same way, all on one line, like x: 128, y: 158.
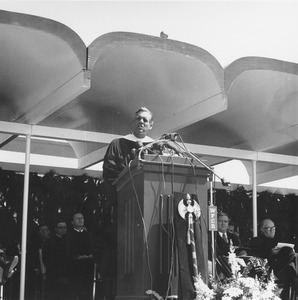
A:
x: 144, y: 225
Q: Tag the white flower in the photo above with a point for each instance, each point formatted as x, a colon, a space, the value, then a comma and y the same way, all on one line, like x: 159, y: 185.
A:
x: 202, y: 290
x: 233, y: 292
x: 248, y: 282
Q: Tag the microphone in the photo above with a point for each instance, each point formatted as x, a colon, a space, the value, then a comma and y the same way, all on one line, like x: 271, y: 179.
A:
x: 158, y: 147
x: 224, y: 182
x: 170, y: 136
x: 133, y: 153
x: 172, y: 146
x: 139, y: 144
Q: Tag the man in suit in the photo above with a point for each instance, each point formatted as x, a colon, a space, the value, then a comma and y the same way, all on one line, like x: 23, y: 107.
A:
x: 223, y: 242
x: 224, y: 238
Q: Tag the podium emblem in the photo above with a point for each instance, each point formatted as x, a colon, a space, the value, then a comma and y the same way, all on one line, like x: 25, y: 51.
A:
x: 189, y: 206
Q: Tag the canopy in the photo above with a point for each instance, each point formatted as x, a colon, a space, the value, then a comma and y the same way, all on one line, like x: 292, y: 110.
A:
x: 53, y: 86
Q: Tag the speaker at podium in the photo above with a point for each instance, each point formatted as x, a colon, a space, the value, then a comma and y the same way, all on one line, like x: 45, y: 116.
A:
x: 154, y: 251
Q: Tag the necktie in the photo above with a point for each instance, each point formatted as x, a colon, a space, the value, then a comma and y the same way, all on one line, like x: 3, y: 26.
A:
x: 225, y: 238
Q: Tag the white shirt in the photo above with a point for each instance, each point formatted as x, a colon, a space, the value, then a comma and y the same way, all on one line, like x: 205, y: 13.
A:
x: 222, y: 235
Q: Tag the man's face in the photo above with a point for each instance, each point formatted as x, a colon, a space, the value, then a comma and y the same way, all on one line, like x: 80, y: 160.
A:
x: 44, y: 232
x: 141, y: 124
x: 223, y: 222
x: 78, y: 221
x: 268, y: 229
x: 61, y: 228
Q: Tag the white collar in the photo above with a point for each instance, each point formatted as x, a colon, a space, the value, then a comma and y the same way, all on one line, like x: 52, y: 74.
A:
x: 132, y: 137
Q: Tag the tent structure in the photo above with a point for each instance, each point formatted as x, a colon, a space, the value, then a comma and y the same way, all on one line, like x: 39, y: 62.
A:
x: 53, y: 86
x: 63, y: 100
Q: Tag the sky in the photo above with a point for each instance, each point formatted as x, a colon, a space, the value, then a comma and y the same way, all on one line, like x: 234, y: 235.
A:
x: 228, y: 30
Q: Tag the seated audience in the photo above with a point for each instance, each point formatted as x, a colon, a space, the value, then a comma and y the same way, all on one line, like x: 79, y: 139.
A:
x: 281, y: 260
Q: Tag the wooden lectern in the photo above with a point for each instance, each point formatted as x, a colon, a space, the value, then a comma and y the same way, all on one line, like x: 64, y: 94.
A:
x: 150, y: 228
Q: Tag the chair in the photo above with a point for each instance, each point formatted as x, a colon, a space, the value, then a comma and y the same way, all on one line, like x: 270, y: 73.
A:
x: 7, y: 269
x: 223, y: 268
x: 289, y: 287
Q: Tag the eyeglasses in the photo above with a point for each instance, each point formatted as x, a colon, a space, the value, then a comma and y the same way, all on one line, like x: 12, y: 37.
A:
x: 269, y: 228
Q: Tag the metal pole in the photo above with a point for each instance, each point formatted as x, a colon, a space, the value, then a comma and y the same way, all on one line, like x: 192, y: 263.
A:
x: 254, y: 198
x: 25, y: 217
x: 94, y: 281
x: 212, y: 232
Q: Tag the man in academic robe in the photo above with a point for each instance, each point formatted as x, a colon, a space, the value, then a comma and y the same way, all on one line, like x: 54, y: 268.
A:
x: 282, y: 260
x: 119, y: 154
x: 80, y: 260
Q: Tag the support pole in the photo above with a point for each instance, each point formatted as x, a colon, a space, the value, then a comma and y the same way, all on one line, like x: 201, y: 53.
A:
x: 212, y: 232
x: 254, y: 198
x: 25, y: 217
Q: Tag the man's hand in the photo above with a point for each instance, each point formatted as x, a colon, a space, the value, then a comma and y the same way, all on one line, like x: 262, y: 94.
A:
x: 275, y: 250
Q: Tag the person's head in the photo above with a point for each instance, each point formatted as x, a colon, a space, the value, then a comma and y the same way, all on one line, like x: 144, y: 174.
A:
x: 44, y: 231
x: 222, y: 222
x: 267, y: 228
x: 231, y: 228
x: 77, y: 220
x: 142, y: 122
x: 60, y: 227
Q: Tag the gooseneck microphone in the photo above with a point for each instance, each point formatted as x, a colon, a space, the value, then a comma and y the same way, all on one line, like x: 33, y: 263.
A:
x: 170, y: 136
x: 139, y: 144
x: 134, y: 151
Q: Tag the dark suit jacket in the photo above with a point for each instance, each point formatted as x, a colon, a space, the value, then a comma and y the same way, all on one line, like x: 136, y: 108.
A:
x: 222, y: 247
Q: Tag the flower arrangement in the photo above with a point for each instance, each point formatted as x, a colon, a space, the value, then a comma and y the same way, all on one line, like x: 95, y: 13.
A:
x: 203, y: 292
x: 241, y: 285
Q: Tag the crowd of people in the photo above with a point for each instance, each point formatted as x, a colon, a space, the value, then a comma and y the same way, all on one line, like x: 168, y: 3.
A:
x: 59, y: 261
x: 67, y: 259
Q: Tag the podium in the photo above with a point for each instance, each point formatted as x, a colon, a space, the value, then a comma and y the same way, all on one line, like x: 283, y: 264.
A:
x: 151, y: 235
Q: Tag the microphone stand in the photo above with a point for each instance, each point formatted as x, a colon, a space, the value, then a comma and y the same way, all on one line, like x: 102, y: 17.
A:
x: 179, y: 150
x: 187, y: 154
x: 184, y: 151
